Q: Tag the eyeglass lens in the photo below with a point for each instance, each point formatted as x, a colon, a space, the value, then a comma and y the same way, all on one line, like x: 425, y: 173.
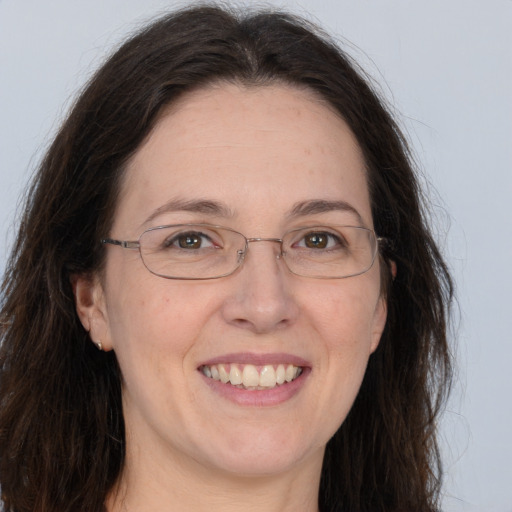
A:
x: 201, y: 251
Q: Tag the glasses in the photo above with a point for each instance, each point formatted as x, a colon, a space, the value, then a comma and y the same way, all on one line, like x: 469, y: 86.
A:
x: 204, y: 251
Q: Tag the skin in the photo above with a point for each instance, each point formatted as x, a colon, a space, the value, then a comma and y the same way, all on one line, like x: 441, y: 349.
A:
x: 258, y: 151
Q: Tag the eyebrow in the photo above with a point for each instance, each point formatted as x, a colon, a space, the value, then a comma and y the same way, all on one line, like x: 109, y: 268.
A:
x: 217, y: 209
x: 316, y: 206
x: 205, y: 206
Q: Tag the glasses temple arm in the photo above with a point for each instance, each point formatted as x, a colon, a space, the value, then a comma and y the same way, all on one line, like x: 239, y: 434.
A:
x: 125, y: 244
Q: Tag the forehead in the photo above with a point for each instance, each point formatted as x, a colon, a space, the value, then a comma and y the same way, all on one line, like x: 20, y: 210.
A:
x: 249, y: 148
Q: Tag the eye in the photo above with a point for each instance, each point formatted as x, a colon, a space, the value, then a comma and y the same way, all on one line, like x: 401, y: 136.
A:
x: 191, y: 240
x: 320, y: 240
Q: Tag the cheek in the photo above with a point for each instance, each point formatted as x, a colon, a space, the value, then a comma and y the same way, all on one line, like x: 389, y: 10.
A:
x: 345, y: 314
x: 152, y: 335
x: 157, y: 321
x: 343, y: 320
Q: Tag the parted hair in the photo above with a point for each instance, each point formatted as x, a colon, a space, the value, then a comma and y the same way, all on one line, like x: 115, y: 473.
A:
x: 62, y: 441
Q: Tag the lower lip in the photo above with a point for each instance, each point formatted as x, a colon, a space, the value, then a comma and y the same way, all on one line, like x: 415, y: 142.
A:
x: 258, y: 397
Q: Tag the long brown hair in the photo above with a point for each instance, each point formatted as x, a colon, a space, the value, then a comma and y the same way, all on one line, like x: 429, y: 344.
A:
x: 61, y: 423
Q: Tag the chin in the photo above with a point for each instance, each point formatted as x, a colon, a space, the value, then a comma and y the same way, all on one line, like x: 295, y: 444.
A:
x: 264, y: 455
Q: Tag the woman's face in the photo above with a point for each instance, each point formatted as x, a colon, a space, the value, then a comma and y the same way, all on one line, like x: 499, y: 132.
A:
x: 261, y: 161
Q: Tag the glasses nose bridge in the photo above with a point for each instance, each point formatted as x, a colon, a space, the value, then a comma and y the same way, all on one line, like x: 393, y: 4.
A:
x: 260, y: 239
x: 266, y: 239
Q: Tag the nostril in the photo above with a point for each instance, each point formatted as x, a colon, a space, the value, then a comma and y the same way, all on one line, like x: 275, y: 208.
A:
x: 242, y: 323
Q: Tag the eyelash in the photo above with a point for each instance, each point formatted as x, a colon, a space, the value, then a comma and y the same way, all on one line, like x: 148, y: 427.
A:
x: 333, y: 240
x: 174, y: 241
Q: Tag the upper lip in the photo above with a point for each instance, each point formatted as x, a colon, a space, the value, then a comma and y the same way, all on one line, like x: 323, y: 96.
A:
x: 257, y: 359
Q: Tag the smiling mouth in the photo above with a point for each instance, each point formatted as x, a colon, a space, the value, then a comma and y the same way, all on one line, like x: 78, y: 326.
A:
x: 251, y: 377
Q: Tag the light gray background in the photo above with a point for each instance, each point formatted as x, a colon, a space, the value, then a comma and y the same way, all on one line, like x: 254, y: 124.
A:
x: 446, y: 67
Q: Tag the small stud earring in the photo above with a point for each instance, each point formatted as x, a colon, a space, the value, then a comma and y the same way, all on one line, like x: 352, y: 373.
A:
x: 99, y: 345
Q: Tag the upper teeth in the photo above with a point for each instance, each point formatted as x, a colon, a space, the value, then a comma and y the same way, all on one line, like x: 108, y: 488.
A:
x: 252, y: 377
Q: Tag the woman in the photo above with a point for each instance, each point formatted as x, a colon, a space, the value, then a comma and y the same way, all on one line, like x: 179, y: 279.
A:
x: 223, y: 293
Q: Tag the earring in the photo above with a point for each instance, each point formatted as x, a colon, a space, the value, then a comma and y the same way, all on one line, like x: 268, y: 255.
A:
x: 99, y: 345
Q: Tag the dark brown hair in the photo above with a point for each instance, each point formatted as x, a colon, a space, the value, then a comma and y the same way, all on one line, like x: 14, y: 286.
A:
x: 61, y: 424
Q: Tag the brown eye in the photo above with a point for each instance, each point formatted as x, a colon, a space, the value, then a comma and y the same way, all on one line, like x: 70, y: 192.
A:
x: 189, y: 241
x: 316, y: 240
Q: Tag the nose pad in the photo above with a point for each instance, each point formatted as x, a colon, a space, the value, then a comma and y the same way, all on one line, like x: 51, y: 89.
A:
x: 240, y: 256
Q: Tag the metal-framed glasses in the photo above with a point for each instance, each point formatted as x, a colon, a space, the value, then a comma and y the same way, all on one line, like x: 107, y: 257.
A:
x: 205, y: 251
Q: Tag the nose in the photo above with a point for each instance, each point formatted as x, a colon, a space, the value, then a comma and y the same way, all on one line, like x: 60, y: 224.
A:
x: 261, y: 299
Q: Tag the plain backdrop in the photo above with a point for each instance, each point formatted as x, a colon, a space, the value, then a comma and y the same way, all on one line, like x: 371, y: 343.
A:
x: 445, y: 66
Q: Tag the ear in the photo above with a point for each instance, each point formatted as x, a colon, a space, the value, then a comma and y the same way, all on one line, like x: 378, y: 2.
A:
x: 91, y: 308
x: 392, y: 268
x: 379, y: 321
